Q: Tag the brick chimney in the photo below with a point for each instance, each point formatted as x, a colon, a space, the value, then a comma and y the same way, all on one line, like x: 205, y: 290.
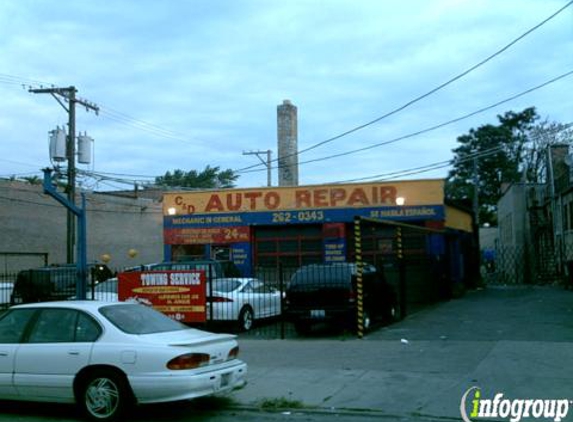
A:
x: 287, y: 134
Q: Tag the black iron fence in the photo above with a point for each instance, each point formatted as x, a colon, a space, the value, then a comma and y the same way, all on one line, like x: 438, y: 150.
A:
x: 6, y: 287
x: 278, y: 302
x: 287, y: 302
x: 10, y: 265
x: 48, y: 283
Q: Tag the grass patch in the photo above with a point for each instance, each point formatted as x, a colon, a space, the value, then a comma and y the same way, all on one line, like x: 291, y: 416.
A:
x: 280, y: 403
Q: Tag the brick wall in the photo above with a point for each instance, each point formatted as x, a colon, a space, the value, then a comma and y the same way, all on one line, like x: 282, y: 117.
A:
x: 31, y: 221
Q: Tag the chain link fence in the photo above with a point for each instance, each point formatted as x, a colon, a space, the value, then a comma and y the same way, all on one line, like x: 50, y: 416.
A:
x: 528, y: 265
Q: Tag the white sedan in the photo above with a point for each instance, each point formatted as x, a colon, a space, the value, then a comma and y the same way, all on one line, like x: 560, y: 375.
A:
x: 105, y: 291
x: 109, y: 356
x: 242, y: 300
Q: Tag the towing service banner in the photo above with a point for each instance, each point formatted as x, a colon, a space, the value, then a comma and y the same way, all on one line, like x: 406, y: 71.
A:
x: 178, y: 294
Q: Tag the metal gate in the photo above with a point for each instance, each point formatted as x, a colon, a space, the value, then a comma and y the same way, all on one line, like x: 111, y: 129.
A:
x: 421, y: 265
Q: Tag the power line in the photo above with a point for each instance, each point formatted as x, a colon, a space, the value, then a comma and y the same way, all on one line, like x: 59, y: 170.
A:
x: 107, y: 112
x: 25, y: 201
x: 384, y: 176
x: 108, y: 176
x: 18, y: 80
x: 8, y: 82
x: 166, y: 133
x: 421, y: 97
x: 447, y: 163
x: 90, y: 210
x: 144, y: 126
x: 126, y: 117
x: 139, y: 178
x: 100, y: 177
x: 19, y: 163
x: 441, y: 125
x: 122, y: 174
x: 427, y: 167
x: 432, y: 128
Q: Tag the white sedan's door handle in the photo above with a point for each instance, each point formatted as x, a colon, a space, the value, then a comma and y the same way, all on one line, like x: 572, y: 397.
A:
x: 3, y: 353
x: 74, y: 353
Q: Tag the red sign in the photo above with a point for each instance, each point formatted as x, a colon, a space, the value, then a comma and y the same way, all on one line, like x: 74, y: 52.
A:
x: 334, y: 230
x: 178, y: 294
x: 197, y: 236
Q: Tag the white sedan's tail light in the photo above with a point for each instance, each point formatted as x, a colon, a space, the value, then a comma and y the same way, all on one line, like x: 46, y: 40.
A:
x: 219, y: 299
x: 188, y: 361
x: 233, y: 353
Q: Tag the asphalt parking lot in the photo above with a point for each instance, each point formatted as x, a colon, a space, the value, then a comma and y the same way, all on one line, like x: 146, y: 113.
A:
x: 512, y: 340
x: 517, y: 341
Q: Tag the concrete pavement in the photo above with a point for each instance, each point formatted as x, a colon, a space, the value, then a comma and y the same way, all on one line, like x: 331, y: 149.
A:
x: 512, y: 340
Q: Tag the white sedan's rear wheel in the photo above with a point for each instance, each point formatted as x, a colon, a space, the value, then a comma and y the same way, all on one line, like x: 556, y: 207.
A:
x: 105, y: 395
x: 246, y: 319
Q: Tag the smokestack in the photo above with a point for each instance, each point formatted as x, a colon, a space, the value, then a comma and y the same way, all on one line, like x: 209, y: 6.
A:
x: 287, y: 133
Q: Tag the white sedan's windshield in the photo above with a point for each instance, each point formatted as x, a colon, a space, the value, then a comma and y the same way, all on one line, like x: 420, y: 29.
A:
x: 139, y: 319
x: 226, y: 285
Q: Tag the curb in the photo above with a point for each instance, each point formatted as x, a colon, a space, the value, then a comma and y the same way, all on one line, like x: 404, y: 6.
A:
x: 342, y: 412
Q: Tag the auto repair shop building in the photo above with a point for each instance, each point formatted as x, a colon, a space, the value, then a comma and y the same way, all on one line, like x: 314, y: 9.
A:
x: 300, y: 225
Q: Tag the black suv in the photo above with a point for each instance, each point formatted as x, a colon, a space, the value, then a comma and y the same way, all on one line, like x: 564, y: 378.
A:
x: 328, y: 293
x: 54, y: 282
x: 212, y: 267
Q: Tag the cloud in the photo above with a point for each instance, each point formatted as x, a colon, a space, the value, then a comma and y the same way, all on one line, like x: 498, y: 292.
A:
x: 211, y: 73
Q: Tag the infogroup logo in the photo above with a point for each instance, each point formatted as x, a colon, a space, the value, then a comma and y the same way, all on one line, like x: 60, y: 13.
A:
x: 474, y: 407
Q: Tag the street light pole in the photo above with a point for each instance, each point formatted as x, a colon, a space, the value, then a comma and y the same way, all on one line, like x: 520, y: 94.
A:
x: 80, y: 213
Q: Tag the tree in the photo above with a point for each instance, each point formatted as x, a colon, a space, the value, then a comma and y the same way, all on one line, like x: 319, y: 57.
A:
x: 490, y: 155
x: 210, y: 178
x: 33, y: 180
x: 541, y: 136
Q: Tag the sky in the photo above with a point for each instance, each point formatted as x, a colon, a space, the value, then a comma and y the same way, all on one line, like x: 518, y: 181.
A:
x: 186, y: 84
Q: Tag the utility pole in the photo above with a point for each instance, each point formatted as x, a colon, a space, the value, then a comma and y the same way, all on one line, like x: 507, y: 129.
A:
x: 63, y: 95
x: 267, y: 163
x: 555, y: 210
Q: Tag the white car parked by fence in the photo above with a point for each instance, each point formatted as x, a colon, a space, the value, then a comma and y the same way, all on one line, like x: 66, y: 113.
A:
x: 243, y: 300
